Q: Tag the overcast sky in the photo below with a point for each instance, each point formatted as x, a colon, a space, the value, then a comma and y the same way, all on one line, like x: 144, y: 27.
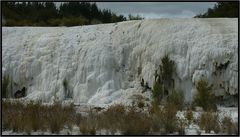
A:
x: 157, y: 9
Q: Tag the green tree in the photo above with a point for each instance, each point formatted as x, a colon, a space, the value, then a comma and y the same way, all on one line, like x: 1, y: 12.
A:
x: 157, y: 92
x: 137, y: 17
x: 164, y: 78
x: 46, y: 14
x: 204, y: 96
x: 167, y: 68
x: 221, y: 9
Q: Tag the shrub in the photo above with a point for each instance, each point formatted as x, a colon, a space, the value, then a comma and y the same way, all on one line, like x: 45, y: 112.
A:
x: 129, y: 121
x: 189, y: 116
x: 74, y: 21
x: 164, y: 119
x: 107, y: 119
x: 88, y: 126
x: 32, y: 116
x: 156, y: 121
x: 209, y: 121
x: 54, y: 22
x: 167, y: 68
x: 228, y: 125
x: 64, y: 113
x: 154, y: 107
x: 132, y: 123
x: 204, y: 97
x: 177, y: 99
x: 169, y: 117
x: 163, y: 81
x: 95, y: 21
x: 157, y: 92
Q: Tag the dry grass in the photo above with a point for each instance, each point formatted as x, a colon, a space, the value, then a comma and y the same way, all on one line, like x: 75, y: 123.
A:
x: 118, y: 118
x: 127, y: 121
x: 228, y: 126
x: 34, y: 116
x: 189, y: 116
x: 209, y: 121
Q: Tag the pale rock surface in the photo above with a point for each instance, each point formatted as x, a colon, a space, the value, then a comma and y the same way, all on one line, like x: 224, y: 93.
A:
x: 101, y: 62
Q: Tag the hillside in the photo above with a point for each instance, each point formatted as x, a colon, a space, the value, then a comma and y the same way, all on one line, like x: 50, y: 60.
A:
x: 104, y: 64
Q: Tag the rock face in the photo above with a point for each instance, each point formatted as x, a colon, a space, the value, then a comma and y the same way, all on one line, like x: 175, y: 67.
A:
x: 102, y: 64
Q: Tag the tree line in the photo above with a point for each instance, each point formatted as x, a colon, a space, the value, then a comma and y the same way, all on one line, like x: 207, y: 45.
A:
x: 221, y: 9
x: 47, y: 14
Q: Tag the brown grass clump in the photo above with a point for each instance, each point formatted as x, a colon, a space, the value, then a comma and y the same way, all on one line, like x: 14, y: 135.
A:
x: 135, y: 123
x: 228, y: 126
x: 169, y: 117
x: 87, y: 125
x: 189, y: 116
x: 209, y: 121
x: 164, y: 119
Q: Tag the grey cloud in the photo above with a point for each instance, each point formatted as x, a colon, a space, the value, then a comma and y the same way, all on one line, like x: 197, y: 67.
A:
x: 158, y: 9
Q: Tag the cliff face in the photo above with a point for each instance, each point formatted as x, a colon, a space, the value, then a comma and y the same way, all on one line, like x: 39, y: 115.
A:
x: 102, y: 64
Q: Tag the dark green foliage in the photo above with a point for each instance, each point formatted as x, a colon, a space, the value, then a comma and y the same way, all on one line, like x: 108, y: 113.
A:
x: 46, y: 14
x: 204, y: 97
x: 131, y: 17
x: 164, y: 79
x: 157, y: 92
x: 167, y: 68
x: 222, y: 9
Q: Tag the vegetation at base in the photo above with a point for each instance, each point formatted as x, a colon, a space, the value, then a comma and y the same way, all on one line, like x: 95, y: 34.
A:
x: 118, y: 118
x: 189, y: 116
x: 204, y: 97
x: 209, y: 121
x: 177, y: 99
x: 126, y: 120
x: 228, y: 126
x: 34, y: 116
x: 222, y: 9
